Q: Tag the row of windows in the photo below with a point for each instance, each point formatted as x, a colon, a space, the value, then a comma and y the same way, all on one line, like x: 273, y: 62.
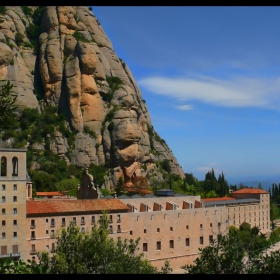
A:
x: 3, y: 212
x: 172, y: 243
x: 4, y: 223
x: 4, y: 249
x: 3, y: 188
x: 63, y: 220
x: 14, y: 235
x: 33, y: 248
x: 3, y: 199
x: 3, y: 166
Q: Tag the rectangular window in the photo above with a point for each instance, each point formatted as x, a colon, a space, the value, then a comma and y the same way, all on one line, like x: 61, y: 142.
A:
x: 119, y: 228
x: 187, y: 242
x: 210, y: 224
x: 118, y: 218
x: 82, y: 220
x: 14, y: 198
x: 53, y: 247
x: 3, y: 187
x: 83, y: 230
x: 3, y: 199
x: 171, y: 228
x: 171, y: 244
x: 47, y: 220
x: 111, y: 219
x: 15, y: 234
x: 32, y: 224
x: 15, y: 210
x: 158, y: 229
x: 131, y: 232
x: 3, y: 211
x: 187, y: 226
x: 145, y: 231
x: 3, y: 223
x: 33, y: 250
x: 63, y: 222
x: 93, y: 220
x: 15, y: 249
x: 14, y: 187
x: 158, y: 245
x: 201, y: 240
x: 47, y: 232
x: 201, y: 226
x: 3, y: 234
x: 52, y: 233
x: 33, y: 235
x: 15, y: 222
x: 111, y: 229
x: 74, y: 220
x: 3, y: 250
x: 52, y: 223
x: 145, y: 247
x: 210, y: 238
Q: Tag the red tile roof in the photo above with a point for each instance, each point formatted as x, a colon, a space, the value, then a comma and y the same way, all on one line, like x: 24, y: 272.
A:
x: 49, y: 194
x: 251, y: 191
x: 217, y: 199
x: 57, y: 207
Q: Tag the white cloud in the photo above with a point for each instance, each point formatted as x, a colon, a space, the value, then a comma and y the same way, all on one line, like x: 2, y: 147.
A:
x: 237, y: 92
x: 185, y: 107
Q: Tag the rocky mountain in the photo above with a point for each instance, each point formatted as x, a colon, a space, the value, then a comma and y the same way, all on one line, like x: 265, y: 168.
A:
x: 60, y: 56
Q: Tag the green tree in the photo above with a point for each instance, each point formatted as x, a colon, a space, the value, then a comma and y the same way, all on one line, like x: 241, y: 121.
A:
x: 274, y: 213
x: 8, y: 115
x: 67, y: 184
x: 96, y: 253
x: 226, y: 255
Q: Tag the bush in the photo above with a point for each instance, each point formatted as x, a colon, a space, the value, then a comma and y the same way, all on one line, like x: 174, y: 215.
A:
x: 88, y: 131
x: 2, y: 10
x: 27, y: 10
x: 19, y: 39
x: 80, y: 37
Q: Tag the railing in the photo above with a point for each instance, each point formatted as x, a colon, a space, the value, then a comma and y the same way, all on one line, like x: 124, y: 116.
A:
x: 52, y: 236
x: 33, y: 252
x: 32, y: 226
x: 82, y: 222
x: 4, y: 255
x: 33, y: 237
x: 14, y: 255
x: 52, y: 224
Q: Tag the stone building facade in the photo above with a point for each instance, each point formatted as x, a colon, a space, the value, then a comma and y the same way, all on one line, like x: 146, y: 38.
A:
x: 169, y: 226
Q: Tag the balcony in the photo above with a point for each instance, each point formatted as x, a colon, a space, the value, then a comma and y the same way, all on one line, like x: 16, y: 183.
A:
x: 4, y: 255
x: 32, y: 226
x: 52, y: 224
x: 52, y: 235
x: 63, y: 224
x: 15, y: 255
x: 32, y: 237
x: 82, y: 223
x: 33, y: 252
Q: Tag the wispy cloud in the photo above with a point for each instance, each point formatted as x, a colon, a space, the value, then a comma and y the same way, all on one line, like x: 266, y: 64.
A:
x: 185, y: 107
x: 236, y: 92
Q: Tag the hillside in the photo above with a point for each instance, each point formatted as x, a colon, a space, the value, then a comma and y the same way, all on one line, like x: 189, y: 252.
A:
x: 77, y: 100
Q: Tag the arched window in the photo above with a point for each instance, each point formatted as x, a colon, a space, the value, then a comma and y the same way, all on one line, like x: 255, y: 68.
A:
x: 15, y: 166
x: 3, y: 166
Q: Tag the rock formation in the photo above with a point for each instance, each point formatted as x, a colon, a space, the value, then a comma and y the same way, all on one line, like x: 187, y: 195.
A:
x: 77, y: 70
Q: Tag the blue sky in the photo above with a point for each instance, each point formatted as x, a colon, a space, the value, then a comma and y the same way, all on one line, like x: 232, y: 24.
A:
x: 211, y: 79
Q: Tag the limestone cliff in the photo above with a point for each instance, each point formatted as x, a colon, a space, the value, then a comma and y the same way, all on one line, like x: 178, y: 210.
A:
x: 73, y: 66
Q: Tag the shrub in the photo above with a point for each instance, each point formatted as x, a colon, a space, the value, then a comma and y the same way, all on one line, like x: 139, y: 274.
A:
x: 19, y: 39
x: 88, y: 131
x: 80, y: 37
x: 27, y: 10
x: 2, y: 10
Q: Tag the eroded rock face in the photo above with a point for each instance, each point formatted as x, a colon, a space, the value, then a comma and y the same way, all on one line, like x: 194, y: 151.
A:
x: 84, y: 78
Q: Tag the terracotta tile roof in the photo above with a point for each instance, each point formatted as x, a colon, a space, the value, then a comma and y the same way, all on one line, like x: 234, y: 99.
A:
x: 73, y: 206
x: 49, y: 194
x: 251, y: 191
x: 217, y: 199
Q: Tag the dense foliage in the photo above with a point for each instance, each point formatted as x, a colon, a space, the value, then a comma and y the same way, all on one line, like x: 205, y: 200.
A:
x: 242, y: 251
x: 89, y: 253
